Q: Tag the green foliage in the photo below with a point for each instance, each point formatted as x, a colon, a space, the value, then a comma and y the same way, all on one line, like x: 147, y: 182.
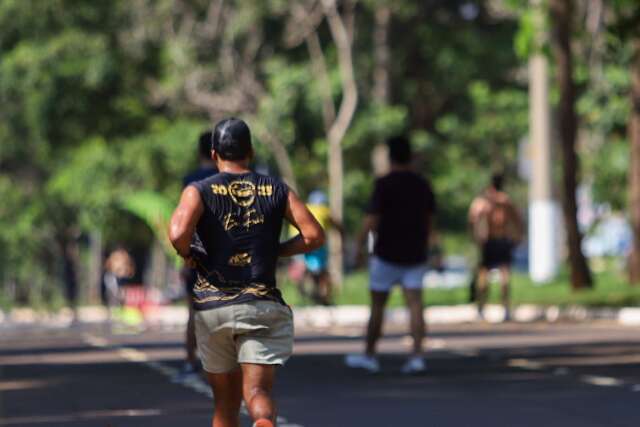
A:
x: 155, y: 210
x: 97, y: 126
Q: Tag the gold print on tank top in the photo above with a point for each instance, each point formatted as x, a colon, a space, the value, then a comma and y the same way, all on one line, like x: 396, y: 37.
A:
x: 243, y: 193
x: 265, y: 190
x: 249, y: 219
x: 219, y: 189
x: 230, y: 221
x: 240, y: 260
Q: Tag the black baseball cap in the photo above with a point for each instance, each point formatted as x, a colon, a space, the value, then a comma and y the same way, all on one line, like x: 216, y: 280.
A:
x: 232, y: 139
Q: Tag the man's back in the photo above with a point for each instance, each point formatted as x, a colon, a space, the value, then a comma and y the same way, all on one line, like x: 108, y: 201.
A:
x: 403, y: 202
x: 496, y: 216
x: 240, y: 231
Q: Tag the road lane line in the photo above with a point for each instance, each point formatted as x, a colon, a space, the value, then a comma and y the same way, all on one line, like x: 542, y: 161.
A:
x: 136, y: 356
x: 527, y: 364
x: 601, y: 381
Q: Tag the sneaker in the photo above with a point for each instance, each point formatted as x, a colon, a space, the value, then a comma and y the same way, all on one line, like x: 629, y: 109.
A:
x: 187, y: 373
x: 263, y: 422
x: 363, y: 361
x: 414, y: 365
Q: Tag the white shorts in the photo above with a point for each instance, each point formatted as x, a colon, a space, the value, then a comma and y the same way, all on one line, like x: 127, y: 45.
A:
x: 383, y: 275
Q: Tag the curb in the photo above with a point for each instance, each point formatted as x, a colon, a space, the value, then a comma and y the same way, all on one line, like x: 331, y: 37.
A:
x: 168, y: 317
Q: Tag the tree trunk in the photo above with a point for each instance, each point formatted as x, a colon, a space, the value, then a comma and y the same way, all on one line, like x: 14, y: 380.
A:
x: 634, y: 170
x: 561, y: 11
x: 280, y: 155
x: 337, y: 132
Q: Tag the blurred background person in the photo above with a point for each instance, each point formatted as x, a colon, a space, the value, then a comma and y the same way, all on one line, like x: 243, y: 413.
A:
x: 315, y: 263
x: 400, y: 214
x: 497, y: 228
x: 120, y: 269
x: 206, y: 168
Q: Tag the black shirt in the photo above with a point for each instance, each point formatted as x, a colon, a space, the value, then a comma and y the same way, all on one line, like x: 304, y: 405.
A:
x: 239, y: 233
x: 404, y: 203
x: 196, y: 175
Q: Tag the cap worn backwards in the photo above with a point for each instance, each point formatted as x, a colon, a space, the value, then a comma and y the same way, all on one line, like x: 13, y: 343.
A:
x: 232, y: 139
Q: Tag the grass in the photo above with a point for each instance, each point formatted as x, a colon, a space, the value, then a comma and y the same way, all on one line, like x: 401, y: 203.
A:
x: 610, y: 290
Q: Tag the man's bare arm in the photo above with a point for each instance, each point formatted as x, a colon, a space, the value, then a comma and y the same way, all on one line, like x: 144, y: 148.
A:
x: 184, y: 220
x: 311, y: 235
x: 369, y: 224
x: 518, y: 221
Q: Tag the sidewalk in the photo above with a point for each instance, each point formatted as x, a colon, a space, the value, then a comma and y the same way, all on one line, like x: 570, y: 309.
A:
x: 340, y: 316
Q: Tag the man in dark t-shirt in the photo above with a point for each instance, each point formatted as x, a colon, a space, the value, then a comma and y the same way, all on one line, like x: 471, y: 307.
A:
x: 206, y: 168
x: 228, y: 228
x: 400, y: 213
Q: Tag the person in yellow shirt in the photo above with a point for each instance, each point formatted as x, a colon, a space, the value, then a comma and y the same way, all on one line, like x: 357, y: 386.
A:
x: 316, y: 262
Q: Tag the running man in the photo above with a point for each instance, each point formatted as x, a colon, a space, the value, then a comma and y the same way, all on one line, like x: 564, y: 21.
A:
x: 244, y: 328
x: 497, y: 227
x: 206, y: 168
x: 401, y: 213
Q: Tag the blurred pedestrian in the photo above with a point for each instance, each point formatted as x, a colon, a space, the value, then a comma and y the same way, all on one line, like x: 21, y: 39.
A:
x: 243, y: 326
x: 120, y: 270
x: 497, y: 227
x: 316, y: 262
x: 206, y: 168
x: 400, y: 213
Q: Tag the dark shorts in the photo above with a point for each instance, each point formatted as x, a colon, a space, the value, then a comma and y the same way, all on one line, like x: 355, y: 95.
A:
x: 496, y: 253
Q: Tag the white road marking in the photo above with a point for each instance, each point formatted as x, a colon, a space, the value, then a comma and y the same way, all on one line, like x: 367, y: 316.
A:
x: 195, y: 384
x: 635, y: 388
x: 436, y: 343
x: 601, y: 381
x: 525, y: 364
x: 596, y: 380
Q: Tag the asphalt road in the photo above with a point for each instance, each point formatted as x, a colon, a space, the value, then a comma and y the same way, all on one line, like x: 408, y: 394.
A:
x: 479, y: 375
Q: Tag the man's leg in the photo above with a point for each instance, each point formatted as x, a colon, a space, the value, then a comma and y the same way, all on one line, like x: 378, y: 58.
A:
x: 505, y: 276
x: 227, y: 392
x: 413, y: 298
x: 257, y: 382
x: 374, y: 328
x: 190, y: 339
x: 324, y: 282
x: 482, y: 291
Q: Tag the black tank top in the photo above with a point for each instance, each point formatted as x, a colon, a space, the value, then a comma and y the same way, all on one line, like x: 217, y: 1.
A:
x: 237, y: 239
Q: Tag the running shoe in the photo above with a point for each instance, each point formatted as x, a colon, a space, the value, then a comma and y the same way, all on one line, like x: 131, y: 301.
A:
x: 263, y: 422
x: 362, y: 361
x: 414, y: 365
x: 186, y: 374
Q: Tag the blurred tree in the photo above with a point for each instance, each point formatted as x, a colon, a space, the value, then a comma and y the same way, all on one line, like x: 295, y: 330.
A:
x: 562, y: 14
x: 626, y: 26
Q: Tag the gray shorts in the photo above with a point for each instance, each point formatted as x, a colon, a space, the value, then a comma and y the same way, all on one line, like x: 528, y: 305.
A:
x: 259, y: 332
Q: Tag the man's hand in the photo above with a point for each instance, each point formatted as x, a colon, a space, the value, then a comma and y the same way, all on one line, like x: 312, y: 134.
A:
x: 190, y: 262
x: 311, y: 235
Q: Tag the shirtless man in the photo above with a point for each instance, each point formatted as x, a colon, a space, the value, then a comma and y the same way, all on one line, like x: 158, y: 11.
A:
x: 497, y: 227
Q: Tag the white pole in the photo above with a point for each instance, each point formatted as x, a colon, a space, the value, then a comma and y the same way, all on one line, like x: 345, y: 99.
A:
x: 543, y: 211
